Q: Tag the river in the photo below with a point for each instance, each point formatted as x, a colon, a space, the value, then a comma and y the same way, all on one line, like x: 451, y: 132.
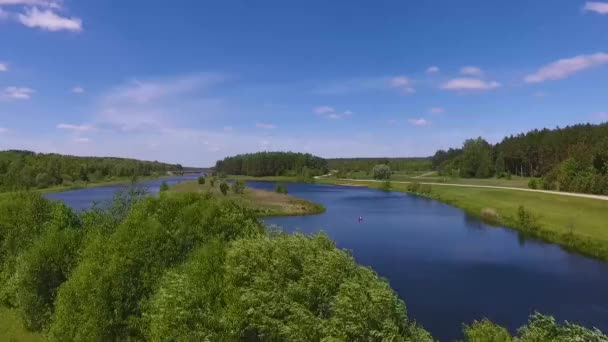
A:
x: 449, y: 268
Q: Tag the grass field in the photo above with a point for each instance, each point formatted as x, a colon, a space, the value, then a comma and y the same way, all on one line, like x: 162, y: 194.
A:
x: 12, y: 329
x: 579, y: 224
x: 265, y: 203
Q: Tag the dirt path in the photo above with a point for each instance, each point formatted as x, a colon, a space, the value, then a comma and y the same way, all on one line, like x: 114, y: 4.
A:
x: 571, y: 194
x: 426, y: 174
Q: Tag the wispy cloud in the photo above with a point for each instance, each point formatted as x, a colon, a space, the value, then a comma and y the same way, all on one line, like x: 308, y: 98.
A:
x: 403, y: 84
x: 78, y: 90
x: 564, y: 68
x: 16, y: 93
x: 464, y: 84
x: 265, y: 125
x: 419, y: 122
x: 432, y: 70
x: 324, y: 110
x: 48, y: 20
x: 437, y: 110
x: 44, y: 3
x: 3, y: 67
x: 3, y: 130
x: 331, y: 113
x: 471, y: 71
x: 597, y: 7
x: 76, y: 128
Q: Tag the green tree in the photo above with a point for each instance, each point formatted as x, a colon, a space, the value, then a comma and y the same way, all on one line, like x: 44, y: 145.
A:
x: 201, y: 180
x: 381, y: 171
x: 238, y: 187
x: 476, y: 159
x: 500, y: 165
x: 224, y: 188
x: 164, y: 187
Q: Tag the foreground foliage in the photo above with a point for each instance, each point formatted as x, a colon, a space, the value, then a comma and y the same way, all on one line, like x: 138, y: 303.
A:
x: 184, y: 267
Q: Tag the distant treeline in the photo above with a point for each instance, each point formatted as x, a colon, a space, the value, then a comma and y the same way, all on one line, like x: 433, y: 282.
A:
x: 24, y: 169
x: 574, y: 158
x: 272, y: 164
x: 367, y: 164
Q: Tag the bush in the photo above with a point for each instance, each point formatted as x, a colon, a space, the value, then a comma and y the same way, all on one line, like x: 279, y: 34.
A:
x: 486, y: 331
x: 107, y: 293
x: 280, y: 188
x: 413, y: 187
x: 212, y: 182
x: 381, y: 171
x: 43, y: 180
x: 490, y: 215
x: 280, y: 288
x: 201, y: 180
x: 163, y: 186
x: 526, y: 220
x: 238, y: 187
x: 386, y: 185
x: 533, y: 183
x: 224, y: 188
x: 425, y: 189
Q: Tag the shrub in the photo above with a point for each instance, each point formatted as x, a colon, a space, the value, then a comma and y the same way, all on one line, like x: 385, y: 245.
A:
x: 224, y: 188
x: 279, y: 288
x: 386, y: 185
x: 490, y: 215
x: 381, y: 171
x: 526, y: 220
x: 281, y: 188
x: 425, y: 189
x: 238, y: 187
x: 413, y: 187
x: 533, y: 183
x: 201, y: 180
x: 486, y: 331
x: 164, y: 187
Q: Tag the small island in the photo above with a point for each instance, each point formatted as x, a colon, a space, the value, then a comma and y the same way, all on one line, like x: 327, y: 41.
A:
x: 263, y: 203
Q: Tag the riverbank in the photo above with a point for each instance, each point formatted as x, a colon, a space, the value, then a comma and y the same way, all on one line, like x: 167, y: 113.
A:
x: 264, y: 203
x: 576, y: 223
x: 113, y: 181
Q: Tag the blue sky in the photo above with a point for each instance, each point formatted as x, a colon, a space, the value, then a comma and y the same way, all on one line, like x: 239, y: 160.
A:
x: 194, y: 81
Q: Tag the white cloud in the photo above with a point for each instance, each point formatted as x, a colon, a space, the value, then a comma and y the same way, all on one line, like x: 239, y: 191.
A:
x: 49, y: 20
x: 78, y: 90
x: 324, y: 110
x: 437, y: 110
x: 432, y: 70
x: 564, y: 68
x: 331, y: 113
x: 469, y: 84
x: 402, y: 83
x: 3, y: 67
x: 418, y: 122
x: 16, y: 93
x: 44, y: 3
x: 597, y: 7
x: 471, y: 71
x: 82, y: 140
x: 265, y: 125
x: 3, y: 14
x: 76, y: 128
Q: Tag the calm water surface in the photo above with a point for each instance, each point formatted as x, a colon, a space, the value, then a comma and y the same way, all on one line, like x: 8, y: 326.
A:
x: 447, y: 267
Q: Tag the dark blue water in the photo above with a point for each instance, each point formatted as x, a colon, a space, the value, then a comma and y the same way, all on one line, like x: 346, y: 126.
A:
x: 85, y: 198
x: 450, y: 268
x: 447, y: 267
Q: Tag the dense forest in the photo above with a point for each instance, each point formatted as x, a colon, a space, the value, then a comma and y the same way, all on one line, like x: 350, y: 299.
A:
x: 574, y: 158
x: 272, y: 164
x: 21, y: 170
x: 346, y: 165
x: 189, y: 267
